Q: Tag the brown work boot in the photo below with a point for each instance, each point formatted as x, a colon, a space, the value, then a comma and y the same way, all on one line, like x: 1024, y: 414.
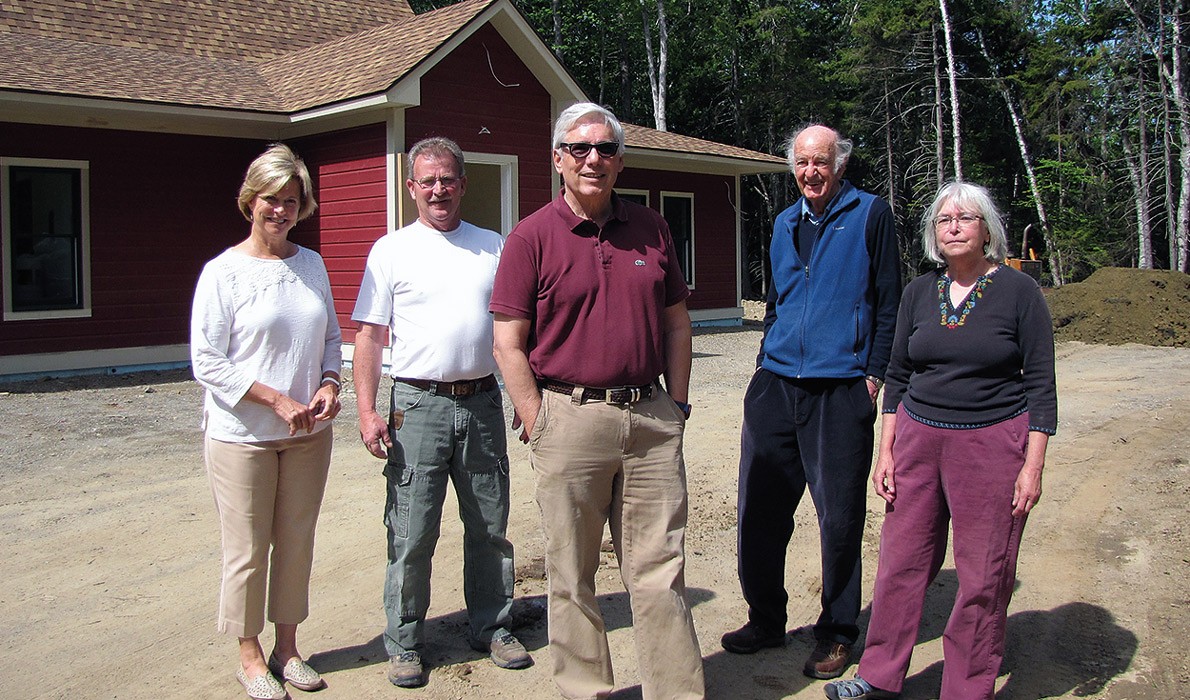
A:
x: 405, y: 670
x: 506, y: 651
x: 827, y: 660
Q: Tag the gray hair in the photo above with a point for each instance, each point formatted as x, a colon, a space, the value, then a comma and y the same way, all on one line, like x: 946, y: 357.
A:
x: 437, y: 146
x: 270, y: 173
x: 577, y: 113
x: 968, y: 196
x: 842, y: 146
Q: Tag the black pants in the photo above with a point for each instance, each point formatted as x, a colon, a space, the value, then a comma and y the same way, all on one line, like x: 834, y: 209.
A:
x: 799, y: 433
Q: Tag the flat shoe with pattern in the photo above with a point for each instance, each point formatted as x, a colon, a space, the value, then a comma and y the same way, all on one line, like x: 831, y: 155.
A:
x: 263, y: 687
x: 297, y: 673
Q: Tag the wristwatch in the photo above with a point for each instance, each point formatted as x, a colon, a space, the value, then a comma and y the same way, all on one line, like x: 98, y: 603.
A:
x: 875, y: 380
x: 685, y: 408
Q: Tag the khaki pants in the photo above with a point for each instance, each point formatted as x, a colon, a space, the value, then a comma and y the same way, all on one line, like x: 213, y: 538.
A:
x: 267, y: 493
x: 596, y: 463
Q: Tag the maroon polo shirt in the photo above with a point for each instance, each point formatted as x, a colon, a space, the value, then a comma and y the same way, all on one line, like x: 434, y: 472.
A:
x: 596, y: 298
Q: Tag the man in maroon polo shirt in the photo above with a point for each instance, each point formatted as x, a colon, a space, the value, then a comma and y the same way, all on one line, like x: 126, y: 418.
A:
x: 590, y: 307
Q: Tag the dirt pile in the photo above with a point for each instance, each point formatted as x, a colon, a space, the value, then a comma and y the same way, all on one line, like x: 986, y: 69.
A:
x: 1118, y: 305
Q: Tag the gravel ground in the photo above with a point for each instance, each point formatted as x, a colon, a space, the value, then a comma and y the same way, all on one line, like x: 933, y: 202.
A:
x: 113, y: 549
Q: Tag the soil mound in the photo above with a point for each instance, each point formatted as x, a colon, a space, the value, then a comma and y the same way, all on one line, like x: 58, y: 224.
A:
x: 1118, y: 305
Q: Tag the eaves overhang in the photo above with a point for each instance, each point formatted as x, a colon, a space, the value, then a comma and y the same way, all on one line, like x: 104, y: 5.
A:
x: 656, y: 159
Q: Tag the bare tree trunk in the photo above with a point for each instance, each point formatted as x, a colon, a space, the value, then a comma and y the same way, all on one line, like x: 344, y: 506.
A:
x: 658, y: 65
x: 1138, y: 168
x: 956, y: 131
x: 1171, y: 211
x: 1172, y: 72
x: 1051, y: 246
x: 888, y: 149
x: 1179, y: 95
x: 557, y: 13
x: 625, y: 78
x: 939, y: 124
x: 1138, y: 173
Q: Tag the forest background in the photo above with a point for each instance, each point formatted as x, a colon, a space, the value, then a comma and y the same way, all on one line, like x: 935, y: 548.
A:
x: 1073, y: 112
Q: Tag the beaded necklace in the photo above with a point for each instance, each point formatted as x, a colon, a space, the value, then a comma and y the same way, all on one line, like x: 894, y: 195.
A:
x: 954, y: 319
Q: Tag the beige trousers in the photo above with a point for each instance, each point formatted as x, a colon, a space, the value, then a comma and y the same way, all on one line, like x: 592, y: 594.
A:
x: 622, y: 465
x: 267, y: 495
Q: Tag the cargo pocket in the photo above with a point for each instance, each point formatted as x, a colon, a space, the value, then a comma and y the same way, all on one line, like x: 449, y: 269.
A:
x: 396, y: 511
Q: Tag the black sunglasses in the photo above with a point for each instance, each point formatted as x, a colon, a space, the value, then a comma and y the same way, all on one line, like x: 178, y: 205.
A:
x: 582, y: 149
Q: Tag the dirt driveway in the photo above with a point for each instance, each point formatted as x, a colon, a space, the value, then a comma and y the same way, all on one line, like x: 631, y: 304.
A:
x: 111, y: 557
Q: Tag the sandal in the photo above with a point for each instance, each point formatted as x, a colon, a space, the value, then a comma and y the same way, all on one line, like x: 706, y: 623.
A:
x: 297, y: 673
x: 857, y: 689
x: 263, y: 687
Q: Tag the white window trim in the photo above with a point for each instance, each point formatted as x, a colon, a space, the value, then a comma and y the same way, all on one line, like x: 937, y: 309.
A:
x: 510, y: 203
x: 693, y: 241
x: 84, y: 168
x: 638, y: 193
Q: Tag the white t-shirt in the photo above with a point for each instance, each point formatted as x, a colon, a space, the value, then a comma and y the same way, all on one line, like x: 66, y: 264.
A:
x: 270, y: 321
x: 432, y: 290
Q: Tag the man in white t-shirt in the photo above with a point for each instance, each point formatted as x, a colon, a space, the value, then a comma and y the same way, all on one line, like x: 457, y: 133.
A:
x: 429, y: 283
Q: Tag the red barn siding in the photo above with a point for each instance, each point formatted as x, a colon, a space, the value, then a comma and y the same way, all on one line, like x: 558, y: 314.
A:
x: 348, y: 168
x: 462, y: 98
x: 714, y: 228
x: 161, y: 205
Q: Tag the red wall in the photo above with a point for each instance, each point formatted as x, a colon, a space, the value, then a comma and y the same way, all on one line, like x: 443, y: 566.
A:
x: 714, y: 228
x: 348, y: 168
x: 161, y: 206
x: 463, y: 99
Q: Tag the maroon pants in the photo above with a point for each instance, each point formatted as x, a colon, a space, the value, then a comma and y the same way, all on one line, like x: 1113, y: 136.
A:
x: 965, y: 477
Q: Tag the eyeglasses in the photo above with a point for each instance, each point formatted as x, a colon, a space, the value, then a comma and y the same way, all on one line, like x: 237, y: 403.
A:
x: 964, y: 220
x: 581, y: 150
x: 427, y: 183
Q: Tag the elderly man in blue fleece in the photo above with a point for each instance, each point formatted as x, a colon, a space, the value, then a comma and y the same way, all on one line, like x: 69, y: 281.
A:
x: 810, y: 408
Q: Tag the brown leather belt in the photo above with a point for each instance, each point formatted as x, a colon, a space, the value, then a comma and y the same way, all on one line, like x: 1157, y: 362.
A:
x: 617, y: 396
x: 466, y: 387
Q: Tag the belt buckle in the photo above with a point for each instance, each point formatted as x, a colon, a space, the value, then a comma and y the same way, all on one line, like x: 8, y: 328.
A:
x: 633, y: 395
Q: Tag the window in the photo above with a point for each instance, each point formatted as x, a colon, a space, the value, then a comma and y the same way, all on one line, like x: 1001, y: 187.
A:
x: 678, y: 210
x: 640, y: 197
x: 45, y: 226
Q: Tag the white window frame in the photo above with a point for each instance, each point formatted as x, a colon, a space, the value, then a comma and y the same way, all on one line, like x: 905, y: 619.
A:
x: 510, y: 203
x: 690, y: 276
x: 84, y: 168
x: 636, y: 193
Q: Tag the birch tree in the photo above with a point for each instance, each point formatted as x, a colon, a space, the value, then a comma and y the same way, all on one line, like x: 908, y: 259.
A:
x: 659, y: 62
x: 1171, y: 69
x: 1054, y: 251
x: 952, y: 75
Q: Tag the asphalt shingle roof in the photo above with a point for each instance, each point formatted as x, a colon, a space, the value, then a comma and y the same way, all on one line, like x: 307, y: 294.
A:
x: 273, y: 57
x: 276, y: 57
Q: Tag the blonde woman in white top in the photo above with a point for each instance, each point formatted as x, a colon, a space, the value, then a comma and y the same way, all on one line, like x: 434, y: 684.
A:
x: 265, y: 343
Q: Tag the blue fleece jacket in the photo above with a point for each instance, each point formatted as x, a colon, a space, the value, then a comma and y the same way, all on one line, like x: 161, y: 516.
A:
x: 835, y: 317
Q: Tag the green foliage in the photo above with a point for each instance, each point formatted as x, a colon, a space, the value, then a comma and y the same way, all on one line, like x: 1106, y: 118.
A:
x: 747, y: 72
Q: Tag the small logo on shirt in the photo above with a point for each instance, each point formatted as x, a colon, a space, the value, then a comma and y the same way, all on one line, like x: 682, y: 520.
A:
x: 640, y: 263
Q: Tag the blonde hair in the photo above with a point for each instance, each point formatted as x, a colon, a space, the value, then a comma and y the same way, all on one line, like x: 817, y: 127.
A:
x: 270, y: 173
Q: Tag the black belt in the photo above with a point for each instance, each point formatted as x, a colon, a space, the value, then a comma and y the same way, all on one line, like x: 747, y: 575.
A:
x: 466, y: 387
x: 618, y: 396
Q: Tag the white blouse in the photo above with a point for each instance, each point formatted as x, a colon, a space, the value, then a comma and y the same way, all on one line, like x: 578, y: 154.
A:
x: 269, y: 321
